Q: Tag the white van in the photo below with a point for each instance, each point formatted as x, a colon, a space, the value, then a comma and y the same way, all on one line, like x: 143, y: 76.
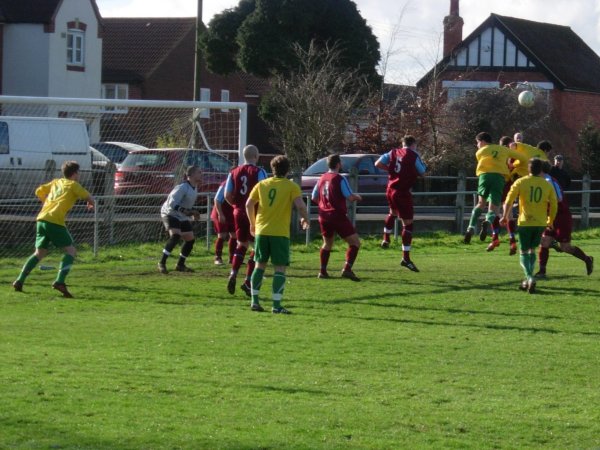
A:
x: 32, y: 150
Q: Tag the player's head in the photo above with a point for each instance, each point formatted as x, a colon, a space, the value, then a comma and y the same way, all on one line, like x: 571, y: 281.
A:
x: 518, y: 137
x: 559, y: 160
x: 546, y: 146
x: 535, y: 166
x: 70, y: 169
x: 506, y: 141
x: 408, y: 141
x: 192, y: 172
x: 483, y: 138
x: 546, y: 166
x: 280, y: 166
x: 251, y: 154
x: 333, y: 161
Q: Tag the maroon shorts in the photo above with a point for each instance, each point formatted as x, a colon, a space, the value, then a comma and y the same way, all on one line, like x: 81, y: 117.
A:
x: 340, y: 225
x: 563, y: 227
x: 242, y: 226
x: 402, y: 202
x: 227, y: 227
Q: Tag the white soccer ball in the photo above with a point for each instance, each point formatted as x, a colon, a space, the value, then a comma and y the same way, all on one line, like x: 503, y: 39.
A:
x: 526, y: 99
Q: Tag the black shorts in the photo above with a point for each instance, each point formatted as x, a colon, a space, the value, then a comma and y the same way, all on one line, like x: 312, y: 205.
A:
x: 171, y: 222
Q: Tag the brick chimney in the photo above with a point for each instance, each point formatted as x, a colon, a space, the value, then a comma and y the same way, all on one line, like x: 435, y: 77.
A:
x: 453, y: 25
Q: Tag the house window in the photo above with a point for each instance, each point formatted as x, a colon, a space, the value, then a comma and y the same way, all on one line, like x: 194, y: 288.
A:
x: 112, y: 91
x: 224, y: 98
x: 204, y: 97
x: 75, y: 49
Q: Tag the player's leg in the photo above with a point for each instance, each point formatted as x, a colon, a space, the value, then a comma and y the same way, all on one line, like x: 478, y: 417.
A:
x: 220, y: 241
x: 544, y: 253
x: 388, y: 227
x: 249, y: 269
x: 262, y: 254
x: 187, y: 234
x: 232, y: 246
x: 494, y: 185
x: 477, y: 210
x: 242, y: 232
x: 564, y: 226
x: 325, y: 251
x: 280, y: 257
x: 347, y: 232
x: 173, y: 227
x: 41, y: 250
x: 579, y: 254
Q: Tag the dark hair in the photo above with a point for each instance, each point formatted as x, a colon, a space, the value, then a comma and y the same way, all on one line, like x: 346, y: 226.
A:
x: 280, y: 165
x: 69, y: 168
x: 333, y: 160
x: 484, y: 137
x: 191, y: 170
x: 546, y: 166
x: 408, y: 140
x: 544, y: 145
x: 506, y: 141
x: 535, y: 166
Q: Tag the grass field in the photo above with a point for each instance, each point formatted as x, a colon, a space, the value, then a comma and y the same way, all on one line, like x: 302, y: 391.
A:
x: 452, y: 357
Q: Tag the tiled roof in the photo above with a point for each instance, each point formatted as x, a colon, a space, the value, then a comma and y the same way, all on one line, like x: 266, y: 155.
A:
x: 139, y: 45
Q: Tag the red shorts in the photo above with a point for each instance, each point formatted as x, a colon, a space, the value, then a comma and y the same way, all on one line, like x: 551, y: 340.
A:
x: 563, y: 227
x: 242, y: 226
x: 227, y: 227
x: 402, y: 202
x: 340, y: 225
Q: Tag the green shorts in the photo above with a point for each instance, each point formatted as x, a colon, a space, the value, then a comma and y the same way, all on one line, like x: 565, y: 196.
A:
x: 491, y: 186
x: 47, y: 233
x: 275, y: 247
x: 530, y: 237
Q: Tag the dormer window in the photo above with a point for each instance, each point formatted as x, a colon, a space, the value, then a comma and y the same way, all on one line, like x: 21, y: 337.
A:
x: 76, y: 46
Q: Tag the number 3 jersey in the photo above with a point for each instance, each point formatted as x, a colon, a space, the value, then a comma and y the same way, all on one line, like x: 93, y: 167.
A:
x: 330, y: 193
x: 404, y: 166
x: 241, y: 180
x: 537, y: 201
x: 275, y: 197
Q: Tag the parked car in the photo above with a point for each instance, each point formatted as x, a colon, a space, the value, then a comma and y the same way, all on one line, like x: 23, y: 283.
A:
x: 370, y: 180
x: 117, y: 151
x: 156, y: 171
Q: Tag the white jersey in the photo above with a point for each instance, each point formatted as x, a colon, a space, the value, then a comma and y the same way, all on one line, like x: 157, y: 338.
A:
x: 182, y: 197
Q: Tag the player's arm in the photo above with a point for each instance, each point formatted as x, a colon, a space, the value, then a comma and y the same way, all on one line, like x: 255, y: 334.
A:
x: 347, y: 192
x: 42, y: 191
x: 383, y: 162
x: 420, y: 166
x: 91, y: 202
x: 314, y: 196
x: 510, y: 198
x: 301, y: 207
x: 218, y: 202
x: 553, y: 207
x: 251, y: 213
x: 83, y: 194
x: 229, y: 190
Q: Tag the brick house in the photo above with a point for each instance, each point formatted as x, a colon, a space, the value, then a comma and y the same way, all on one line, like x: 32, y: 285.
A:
x: 154, y: 59
x: 505, y: 50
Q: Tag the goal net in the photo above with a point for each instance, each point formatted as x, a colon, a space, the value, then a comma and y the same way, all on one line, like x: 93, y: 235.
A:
x: 131, y: 153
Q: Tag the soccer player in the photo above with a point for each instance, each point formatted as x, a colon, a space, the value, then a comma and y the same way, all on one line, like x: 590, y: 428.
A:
x: 330, y: 193
x: 176, y: 213
x: 222, y: 219
x: 560, y: 231
x: 404, y: 166
x: 559, y: 173
x: 269, y: 210
x: 58, y: 197
x: 240, y: 182
x: 492, y: 170
x: 537, y: 209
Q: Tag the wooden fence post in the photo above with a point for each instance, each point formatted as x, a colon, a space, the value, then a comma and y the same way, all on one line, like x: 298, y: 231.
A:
x: 461, y: 187
x: 586, y: 185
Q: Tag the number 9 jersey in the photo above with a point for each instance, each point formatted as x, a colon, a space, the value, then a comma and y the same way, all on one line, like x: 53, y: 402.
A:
x: 275, y: 197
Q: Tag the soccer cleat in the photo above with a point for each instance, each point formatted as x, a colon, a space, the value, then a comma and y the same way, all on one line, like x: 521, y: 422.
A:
x: 484, y: 230
x: 162, y: 268
x: 492, y: 245
x: 409, y: 265
x: 385, y: 244
x: 513, y: 249
x: 523, y: 285
x: 468, y: 234
x: 556, y: 246
x: 323, y: 275
x: 231, y: 284
x: 531, y: 286
x: 218, y: 261
x: 256, y: 307
x: 589, y: 264
x: 62, y: 288
x: 18, y: 286
x: 183, y: 268
x: 280, y: 310
x: 540, y: 275
x: 350, y: 275
x: 247, y: 289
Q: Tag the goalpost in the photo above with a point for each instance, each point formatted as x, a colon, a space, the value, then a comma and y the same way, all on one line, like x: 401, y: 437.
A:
x: 32, y: 151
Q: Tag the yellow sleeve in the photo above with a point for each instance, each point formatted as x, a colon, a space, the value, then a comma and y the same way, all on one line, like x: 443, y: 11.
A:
x: 553, y: 207
x: 254, y: 194
x: 515, y: 154
x: 80, y: 191
x: 42, y: 191
x: 512, y: 193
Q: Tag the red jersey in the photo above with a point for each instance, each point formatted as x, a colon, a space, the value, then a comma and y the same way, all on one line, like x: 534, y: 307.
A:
x: 225, y: 207
x: 241, y: 180
x: 331, y: 188
x: 402, y: 169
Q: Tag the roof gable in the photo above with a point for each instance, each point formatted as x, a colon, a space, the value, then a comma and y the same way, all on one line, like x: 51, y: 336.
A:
x: 137, y: 46
x: 507, y: 43
x: 28, y: 11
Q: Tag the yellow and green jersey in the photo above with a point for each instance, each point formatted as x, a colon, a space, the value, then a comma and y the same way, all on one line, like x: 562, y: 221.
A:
x: 275, y: 197
x: 58, y: 197
x: 527, y: 152
x: 537, y: 201
x: 493, y: 158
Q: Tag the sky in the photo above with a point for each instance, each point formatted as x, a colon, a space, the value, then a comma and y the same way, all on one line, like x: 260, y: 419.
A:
x: 409, y: 31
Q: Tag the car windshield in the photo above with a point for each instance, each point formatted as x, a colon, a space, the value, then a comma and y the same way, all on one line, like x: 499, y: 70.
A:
x: 144, y: 160
x: 320, y: 166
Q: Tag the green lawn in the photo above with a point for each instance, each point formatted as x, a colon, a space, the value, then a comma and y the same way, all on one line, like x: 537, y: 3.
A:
x: 452, y: 357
